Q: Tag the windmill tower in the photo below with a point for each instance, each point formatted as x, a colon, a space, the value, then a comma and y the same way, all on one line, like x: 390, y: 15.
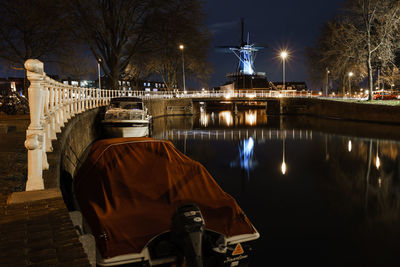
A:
x: 245, y: 76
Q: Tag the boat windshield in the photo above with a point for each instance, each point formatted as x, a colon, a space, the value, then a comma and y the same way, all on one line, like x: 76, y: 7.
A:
x: 127, y: 105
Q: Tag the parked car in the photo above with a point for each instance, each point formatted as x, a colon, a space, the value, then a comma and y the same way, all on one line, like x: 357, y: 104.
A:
x: 386, y: 96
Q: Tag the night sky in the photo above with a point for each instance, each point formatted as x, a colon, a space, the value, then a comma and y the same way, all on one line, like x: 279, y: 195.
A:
x: 291, y: 24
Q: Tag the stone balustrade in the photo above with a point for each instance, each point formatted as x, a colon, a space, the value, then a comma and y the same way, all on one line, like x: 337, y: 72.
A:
x: 51, y: 105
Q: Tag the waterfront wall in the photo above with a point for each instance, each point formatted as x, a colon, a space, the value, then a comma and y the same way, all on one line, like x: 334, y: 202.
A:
x: 167, y: 107
x: 332, y: 109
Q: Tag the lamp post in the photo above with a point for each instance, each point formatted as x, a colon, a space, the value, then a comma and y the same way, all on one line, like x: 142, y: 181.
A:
x: 327, y: 82
x: 181, y: 47
x: 98, y: 69
x: 350, y: 75
x: 283, y: 55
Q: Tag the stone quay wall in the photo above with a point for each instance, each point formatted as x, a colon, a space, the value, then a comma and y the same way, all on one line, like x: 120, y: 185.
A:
x: 331, y: 109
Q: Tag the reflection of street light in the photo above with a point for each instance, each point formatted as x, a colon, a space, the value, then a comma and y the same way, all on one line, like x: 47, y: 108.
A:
x: 283, y: 55
x: 350, y: 75
x: 378, y: 161
x: 349, y: 146
x: 98, y: 67
x: 181, y: 47
x: 283, y: 166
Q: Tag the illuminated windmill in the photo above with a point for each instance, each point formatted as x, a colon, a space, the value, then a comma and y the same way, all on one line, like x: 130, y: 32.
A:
x: 245, y: 76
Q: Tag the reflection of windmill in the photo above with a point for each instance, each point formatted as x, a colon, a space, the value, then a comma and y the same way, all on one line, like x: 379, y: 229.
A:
x: 245, y: 76
x: 245, y: 160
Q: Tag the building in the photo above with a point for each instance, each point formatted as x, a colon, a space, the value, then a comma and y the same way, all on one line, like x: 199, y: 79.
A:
x: 298, y: 86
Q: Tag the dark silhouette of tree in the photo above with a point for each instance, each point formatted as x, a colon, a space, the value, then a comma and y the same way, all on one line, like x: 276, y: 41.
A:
x: 113, y: 29
x: 31, y: 29
x: 361, y: 38
x: 78, y: 63
x: 178, y: 22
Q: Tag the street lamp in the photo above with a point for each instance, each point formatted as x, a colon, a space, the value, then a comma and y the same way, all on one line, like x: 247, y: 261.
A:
x: 181, y: 47
x: 327, y: 82
x: 350, y: 75
x: 98, y: 69
x: 283, y: 55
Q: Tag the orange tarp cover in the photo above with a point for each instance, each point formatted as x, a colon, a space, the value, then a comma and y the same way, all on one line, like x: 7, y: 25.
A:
x: 129, y: 188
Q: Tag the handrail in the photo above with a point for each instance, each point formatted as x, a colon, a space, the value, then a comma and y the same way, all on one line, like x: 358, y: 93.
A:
x: 51, y: 105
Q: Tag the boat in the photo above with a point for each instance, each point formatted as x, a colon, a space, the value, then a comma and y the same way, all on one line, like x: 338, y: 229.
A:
x: 147, y: 204
x: 126, y: 117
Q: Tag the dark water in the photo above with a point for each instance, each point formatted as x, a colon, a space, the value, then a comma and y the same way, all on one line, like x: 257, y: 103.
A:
x: 337, y: 202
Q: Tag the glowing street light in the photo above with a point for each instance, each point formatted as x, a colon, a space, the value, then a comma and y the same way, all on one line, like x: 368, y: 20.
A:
x: 98, y: 68
x: 284, y: 55
x: 350, y: 75
x: 349, y: 146
x: 182, y: 47
x: 327, y: 82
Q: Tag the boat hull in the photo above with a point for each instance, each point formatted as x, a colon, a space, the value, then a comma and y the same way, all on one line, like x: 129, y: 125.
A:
x: 126, y: 129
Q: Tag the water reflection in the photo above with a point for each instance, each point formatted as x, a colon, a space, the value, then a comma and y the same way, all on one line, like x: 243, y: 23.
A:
x: 245, y: 159
x: 283, y: 166
x: 343, y: 206
x: 226, y: 118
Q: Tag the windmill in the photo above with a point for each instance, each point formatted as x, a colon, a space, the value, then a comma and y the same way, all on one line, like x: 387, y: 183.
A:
x: 245, y: 76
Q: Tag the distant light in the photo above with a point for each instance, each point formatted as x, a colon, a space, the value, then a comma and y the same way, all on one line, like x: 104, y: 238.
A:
x: 351, y: 74
x: 283, y: 167
x: 284, y: 54
x: 380, y: 182
x: 349, y: 146
x: 377, y: 162
x: 181, y: 47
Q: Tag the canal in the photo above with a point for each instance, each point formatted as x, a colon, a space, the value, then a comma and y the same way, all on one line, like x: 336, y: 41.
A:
x: 320, y: 192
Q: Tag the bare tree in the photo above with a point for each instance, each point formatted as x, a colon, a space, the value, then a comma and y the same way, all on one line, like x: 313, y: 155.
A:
x: 31, y: 29
x: 179, y: 22
x: 78, y: 63
x: 377, y: 22
x: 113, y: 29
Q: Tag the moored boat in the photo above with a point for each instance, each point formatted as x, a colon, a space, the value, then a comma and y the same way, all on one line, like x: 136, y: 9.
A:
x: 126, y: 117
x: 147, y: 203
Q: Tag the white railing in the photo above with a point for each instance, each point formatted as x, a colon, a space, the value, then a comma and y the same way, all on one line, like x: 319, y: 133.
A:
x: 231, y: 94
x: 51, y: 105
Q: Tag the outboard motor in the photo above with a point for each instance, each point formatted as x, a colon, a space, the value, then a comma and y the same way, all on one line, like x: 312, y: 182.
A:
x: 187, y: 233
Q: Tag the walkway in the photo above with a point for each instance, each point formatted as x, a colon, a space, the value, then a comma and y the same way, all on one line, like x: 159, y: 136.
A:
x: 36, y: 233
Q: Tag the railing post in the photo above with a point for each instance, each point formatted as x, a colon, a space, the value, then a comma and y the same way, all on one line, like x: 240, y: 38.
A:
x: 91, y: 98
x: 61, y: 106
x: 34, y: 134
x: 52, y: 112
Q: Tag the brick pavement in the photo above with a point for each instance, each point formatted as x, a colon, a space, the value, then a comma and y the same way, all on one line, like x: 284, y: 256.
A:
x: 37, y: 233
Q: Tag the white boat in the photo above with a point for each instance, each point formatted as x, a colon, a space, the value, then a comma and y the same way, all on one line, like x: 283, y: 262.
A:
x: 126, y: 117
